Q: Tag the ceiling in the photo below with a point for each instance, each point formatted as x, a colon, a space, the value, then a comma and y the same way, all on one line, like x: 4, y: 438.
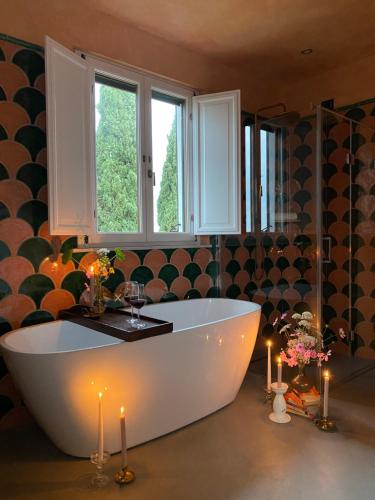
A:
x: 265, y: 36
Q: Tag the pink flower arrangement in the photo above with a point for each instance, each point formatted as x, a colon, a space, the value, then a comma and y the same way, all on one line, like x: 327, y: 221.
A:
x: 304, y: 341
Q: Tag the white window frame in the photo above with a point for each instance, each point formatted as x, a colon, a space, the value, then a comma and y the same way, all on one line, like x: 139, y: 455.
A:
x: 145, y: 85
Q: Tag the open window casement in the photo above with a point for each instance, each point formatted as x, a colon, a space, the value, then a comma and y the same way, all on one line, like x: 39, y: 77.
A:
x: 68, y: 84
x: 212, y: 154
x: 216, y: 152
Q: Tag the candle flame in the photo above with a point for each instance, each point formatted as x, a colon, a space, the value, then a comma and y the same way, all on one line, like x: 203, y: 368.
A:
x: 279, y: 360
x: 91, y: 269
x: 122, y: 410
x: 269, y: 343
x: 106, y: 388
x: 100, y: 395
x: 326, y: 374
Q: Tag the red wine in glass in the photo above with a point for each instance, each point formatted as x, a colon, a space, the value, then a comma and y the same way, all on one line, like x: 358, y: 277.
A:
x: 137, y: 303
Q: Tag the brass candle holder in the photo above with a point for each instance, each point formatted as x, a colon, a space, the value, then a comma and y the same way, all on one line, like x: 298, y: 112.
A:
x: 124, y: 476
x: 326, y: 424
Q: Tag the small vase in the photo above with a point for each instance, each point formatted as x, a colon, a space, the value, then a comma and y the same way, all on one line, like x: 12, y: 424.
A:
x: 98, y: 306
x: 301, y: 383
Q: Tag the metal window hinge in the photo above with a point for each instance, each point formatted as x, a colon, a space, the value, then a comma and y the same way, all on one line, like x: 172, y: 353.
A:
x: 191, y: 116
x: 94, y: 214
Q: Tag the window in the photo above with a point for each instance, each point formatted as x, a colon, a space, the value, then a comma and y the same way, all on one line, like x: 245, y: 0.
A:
x: 126, y: 148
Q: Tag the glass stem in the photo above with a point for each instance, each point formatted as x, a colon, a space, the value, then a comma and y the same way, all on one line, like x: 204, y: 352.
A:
x: 132, y: 313
x: 138, y: 313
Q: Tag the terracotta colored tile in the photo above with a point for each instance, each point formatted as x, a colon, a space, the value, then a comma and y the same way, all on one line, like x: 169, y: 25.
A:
x: 43, y: 194
x: 365, y: 353
x: 55, y: 300
x: 180, y: 258
x: 13, y: 232
x: 243, y: 296
x: 366, y: 305
x: 11, y: 79
x: 339, y: 278
x: 203, y: 283
x: 366, y: 255
x: 40, y: 120
x: 274, y: 275
x: 12, y: 117
x: 14, y: 194
x: 241, y: 279
x: 180, y: 286
x: 366, y: 154
x: 366, y: 178
x: 203, y: 256
x: 14, y: 308
x: 155, y: 289
x: 13, y: 155
x: 129, y: 264
x: 366, y: 280
x: 339, y: 302
x: 340, y: 254
x: 225, y: 257
x: 340, y: 231
x: 366, y: 230
x: 42, y: 157
x: 338, y: 158
x: 16, y: 418
x: 275, y: 295
x: 292, y: 296
x: 40, y: 84
x: 56, y: 270
x: 87, y: 260
x: 241, y: 255
x: 155, y: 260
x: 340, y: 132
x: 14, y: 270
x: 366, y: 330
x: 226, y: 281
x: 366, y: 204
x: 339, y: 206
x: 291, y: 274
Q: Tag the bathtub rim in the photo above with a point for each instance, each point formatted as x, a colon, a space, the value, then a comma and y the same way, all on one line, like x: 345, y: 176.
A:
x: 7, y: 347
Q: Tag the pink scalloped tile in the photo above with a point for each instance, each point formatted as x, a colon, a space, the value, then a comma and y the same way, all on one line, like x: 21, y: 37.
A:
x: 56, y: 270
x: 14, y: 270
x: 202, y: 257
x: 14, y: 308
x: 56, y: 300
x: 155, y: 260
x: 155, y: 289
x: 14, y: 194
x: 180, y: 258
x: 127, y: 266
x: 13, y: 155
x: 12, y: 117
x: 180, y: 286
x: 202, y: 283
x: 13, y: 232
x: 12, y: 78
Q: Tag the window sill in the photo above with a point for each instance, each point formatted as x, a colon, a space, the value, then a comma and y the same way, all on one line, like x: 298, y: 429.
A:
x: 160, y: 245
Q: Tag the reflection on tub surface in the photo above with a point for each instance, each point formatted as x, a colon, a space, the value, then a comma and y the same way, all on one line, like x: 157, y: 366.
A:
x: 164, y: 382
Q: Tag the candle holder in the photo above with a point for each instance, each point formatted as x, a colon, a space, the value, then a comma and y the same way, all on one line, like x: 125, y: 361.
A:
x: 267, y: 395
x: 99, y: 479
x: 279, y: 414
x: 124, y: 476
x: 326, y: 424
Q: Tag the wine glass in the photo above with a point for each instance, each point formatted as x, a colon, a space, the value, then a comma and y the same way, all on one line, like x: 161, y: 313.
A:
x: 138, y: 302
x: 130, y: 292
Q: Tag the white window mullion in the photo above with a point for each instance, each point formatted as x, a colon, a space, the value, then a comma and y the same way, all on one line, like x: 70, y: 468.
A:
x: 147, y: 166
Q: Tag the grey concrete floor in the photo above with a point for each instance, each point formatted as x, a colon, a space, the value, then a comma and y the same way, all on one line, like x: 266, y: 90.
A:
x: 234, y: 454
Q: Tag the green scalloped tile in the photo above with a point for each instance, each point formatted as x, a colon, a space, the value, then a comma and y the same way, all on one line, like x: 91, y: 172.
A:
x: 233, y: 291
x: 142, y: 274
x: 3, y: 172
x: 74, y: 282
x: 168, y: 253
x: 141, y: 254
x: 71, y: 242
x: 3, y: 134
x: 33, y: 138
x: 193, y: 293
x: 4, y: 251
x: 6, y: 405
x: 34, y: 212
x: 191, y: 272
x: 35, y: 250
x: 32, y: 100
x: 3, y: 96
x: 5, y: 289
x: 36, y: 286
x: 31, y: 63
x: 114, y: 280
x: 4, y: 211
x: 3, y: 368
x: 33, y: 175
x: 213, y: 292
x: 4, y: 326
x: 2, y: 55
x: 37, y: 317
x: 233, y: 268
x: 168, y: 273
x: 191, y: 251
x: 213, y: 269
x: 169, y: 297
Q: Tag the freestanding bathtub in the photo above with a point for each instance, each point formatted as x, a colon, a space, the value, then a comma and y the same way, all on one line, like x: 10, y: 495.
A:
x: 163, y: 382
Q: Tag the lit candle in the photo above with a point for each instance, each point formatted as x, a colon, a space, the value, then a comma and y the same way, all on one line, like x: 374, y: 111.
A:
x: 124, y: 451
x: 269, y: 378
x: 100, y: 429
x: 279, y: 371
x: 326, y: 391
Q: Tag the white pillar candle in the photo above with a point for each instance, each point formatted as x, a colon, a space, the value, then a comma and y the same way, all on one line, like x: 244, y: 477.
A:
x: 100, y: 429
x: 326, y: 391
x: 269, y: 378
x: 279, y: 372
x: 124, y: 451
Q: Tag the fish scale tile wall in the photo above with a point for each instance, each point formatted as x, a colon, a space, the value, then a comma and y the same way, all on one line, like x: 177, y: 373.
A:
x: 34, y: 287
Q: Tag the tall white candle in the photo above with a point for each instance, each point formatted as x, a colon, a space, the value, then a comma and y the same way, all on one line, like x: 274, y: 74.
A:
x: 100, y: 429
x: 279, y: 372
x: 124, y: 451
x: 326, y: 391
x: 269, y: 378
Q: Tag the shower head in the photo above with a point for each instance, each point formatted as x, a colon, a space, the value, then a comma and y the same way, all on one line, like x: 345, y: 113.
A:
x: 287, y: 119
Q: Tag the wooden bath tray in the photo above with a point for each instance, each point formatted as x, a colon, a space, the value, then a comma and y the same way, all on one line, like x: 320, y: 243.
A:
x: 114, y: 323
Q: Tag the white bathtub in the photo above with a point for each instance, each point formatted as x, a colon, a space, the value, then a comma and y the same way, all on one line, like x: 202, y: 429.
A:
x: 164, y: 382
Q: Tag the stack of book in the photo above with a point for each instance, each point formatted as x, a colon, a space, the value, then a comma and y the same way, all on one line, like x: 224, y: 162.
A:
x: 305, y: 404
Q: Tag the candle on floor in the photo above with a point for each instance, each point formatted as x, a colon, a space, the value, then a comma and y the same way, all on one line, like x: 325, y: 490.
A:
x: 124, y: 451
x: 326, y: 391
x: 100, y: 429
x: 269, y: 378
x: 279, y: 371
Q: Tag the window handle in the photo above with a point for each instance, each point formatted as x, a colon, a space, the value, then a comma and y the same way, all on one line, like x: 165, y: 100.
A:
x: 151, y: 175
